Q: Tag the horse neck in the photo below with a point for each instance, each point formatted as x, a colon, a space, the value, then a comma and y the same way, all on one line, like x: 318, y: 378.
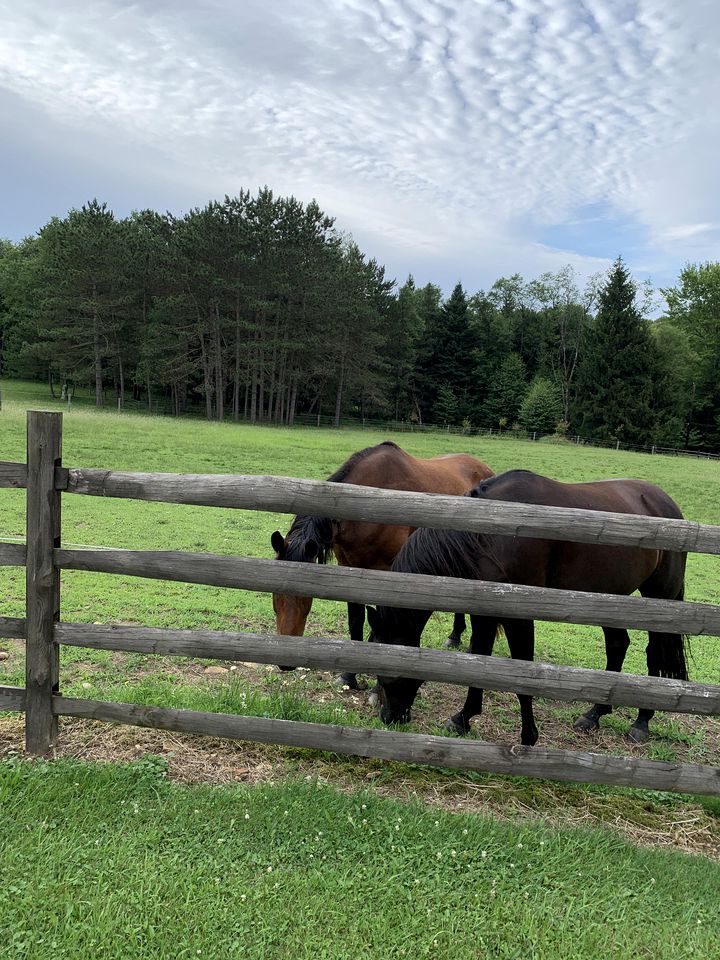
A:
x: 407, y: 623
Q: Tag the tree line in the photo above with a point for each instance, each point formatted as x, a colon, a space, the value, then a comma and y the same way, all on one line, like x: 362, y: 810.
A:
x: 257, y: 308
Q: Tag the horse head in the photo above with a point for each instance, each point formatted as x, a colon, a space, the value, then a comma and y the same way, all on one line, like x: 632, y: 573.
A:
x: 291, y: 613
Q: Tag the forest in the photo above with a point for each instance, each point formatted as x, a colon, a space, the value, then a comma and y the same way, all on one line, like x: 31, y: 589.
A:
x: 257, y: 308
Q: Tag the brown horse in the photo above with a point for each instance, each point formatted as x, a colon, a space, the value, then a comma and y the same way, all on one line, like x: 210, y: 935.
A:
x: 540, y: 563
x: 372, y: 546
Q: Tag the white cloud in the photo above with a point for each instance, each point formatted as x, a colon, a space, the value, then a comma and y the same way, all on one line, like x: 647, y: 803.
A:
x: 430, y: 130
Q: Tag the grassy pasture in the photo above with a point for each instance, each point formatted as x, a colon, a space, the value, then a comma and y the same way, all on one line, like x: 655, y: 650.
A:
x: 124, y: 442
x: 356, y: 867
x: 149, y: 868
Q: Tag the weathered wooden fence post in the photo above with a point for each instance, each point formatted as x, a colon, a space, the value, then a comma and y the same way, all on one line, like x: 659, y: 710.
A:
x: 44, y: 449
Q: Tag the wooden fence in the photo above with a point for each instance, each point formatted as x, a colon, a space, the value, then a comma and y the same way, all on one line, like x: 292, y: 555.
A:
x: 45, y: 480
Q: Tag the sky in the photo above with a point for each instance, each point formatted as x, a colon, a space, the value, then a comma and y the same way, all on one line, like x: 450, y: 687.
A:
x: 457, y: 141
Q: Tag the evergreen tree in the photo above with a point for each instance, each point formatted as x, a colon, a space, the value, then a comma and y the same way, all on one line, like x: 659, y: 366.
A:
x: 446, y: 406
x: 449, y: 356
x: 694, y: 312
x: 493, y: 342
x: 615, y: 382
x: 403, y: 332
x: 506, y: 393
x: 541, y: 409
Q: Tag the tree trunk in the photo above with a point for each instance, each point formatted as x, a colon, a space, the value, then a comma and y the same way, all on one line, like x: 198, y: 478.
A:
x: 293, y: 402
x: 219, y: 378
x: 121, y: 383
x: 99, y: 398
x: 236, y: 389
x: 339, y: 392
x: 207, y: 378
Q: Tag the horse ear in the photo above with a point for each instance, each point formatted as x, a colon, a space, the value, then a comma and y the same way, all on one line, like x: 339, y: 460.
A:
x: 277, y: 541
x: 312, y: 550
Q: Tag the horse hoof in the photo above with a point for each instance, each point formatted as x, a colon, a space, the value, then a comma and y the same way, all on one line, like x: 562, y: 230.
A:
x: 350, y: 681
x: 530, y: 739
x: 456, y: 726
x: 452, y: 643
x: 373, y: 698
x: 585, y: 724
x: 638, y: 734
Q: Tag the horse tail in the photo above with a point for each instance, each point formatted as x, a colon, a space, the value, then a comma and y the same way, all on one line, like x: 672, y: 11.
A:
x: 671, y: 651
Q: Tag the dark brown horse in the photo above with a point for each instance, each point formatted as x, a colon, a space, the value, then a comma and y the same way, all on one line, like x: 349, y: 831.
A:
x: 540, y: 563
x: 369, y: 545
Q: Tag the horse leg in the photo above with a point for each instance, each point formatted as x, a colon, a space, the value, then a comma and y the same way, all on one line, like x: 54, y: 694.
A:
x: 482, y: 640
x: 665, y: 653
x: 453, y: 641
x: 356, y: 624
x: 639, y: 732
x: 616, y: 645
x: 521, y: 640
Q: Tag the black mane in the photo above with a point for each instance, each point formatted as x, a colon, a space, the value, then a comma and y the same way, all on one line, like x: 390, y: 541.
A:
x: 446, y: 553
x: 304, y: 529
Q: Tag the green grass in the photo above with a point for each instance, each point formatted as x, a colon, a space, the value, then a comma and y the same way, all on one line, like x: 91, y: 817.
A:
x: 133, y: 442
x: 146, y: 868
x: 117, y: 861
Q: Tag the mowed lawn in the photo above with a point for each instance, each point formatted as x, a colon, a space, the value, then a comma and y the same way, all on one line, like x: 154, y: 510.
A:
x: 115, y: 862
x: 120, y: 861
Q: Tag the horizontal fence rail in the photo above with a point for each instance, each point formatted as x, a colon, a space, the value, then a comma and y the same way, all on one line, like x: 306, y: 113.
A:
x: 13, y: 474
x: 12, y: 698
x: 574, y: 766
x: 443, y: 666
x: 13, y: 627
x: 412, y: 590
x: 346, y: 501
x: 13, y: 554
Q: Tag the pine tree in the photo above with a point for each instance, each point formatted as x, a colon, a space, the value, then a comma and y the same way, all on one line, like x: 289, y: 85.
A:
x: 615, y: 383
x: 541, y: 409
x: 449, y: 355
x: 507, y: 391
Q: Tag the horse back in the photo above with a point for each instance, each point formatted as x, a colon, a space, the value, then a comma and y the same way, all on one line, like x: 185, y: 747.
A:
x: 374, y: 545
x: 581, y: 566
x: 391, y: 468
